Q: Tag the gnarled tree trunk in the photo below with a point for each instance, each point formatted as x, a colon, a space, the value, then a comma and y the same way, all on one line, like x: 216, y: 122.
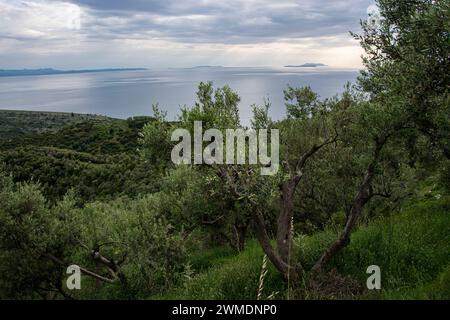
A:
x: 362, y: 197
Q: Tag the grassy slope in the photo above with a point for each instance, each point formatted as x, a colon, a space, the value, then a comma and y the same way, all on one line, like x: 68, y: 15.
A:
x: 411, y: 247
x: 228, y: 277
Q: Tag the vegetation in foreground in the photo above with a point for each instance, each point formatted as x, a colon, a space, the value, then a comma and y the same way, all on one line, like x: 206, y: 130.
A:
x: 411, y: 248
x: 363, y: 181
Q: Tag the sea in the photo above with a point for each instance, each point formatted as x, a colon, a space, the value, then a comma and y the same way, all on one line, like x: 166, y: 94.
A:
x: 123, y: 94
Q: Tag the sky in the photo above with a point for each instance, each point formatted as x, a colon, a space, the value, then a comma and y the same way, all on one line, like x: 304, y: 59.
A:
x: 184, y: 33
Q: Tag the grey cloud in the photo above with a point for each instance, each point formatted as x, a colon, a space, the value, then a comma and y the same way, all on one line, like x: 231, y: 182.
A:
x: 235, y: 21
x: 192, y: 32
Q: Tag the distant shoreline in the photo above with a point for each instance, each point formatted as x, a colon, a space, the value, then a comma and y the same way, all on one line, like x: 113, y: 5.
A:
x: 50, y: 71
x: 55, y: 112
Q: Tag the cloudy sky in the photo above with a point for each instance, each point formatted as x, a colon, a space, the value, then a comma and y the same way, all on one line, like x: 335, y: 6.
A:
x: 178, y: 33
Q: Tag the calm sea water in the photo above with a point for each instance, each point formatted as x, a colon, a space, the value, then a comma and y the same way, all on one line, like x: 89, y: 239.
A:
x: 130, y: 93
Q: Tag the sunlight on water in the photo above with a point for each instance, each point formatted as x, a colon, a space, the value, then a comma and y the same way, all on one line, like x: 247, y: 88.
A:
x: 130, y: 93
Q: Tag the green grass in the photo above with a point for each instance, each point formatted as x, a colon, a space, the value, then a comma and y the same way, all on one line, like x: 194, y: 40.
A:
x: 202, y: 260
x: 235, y: 277
x: 438, y: 289
x: 411, y: 247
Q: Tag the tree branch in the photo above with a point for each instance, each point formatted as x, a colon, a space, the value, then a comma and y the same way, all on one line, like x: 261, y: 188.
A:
x: 314, y: 149
x: 83, y: 270
x: 363, y: 195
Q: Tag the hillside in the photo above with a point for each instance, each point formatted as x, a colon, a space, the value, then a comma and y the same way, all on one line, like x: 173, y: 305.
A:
x: 93, y: 155
x: 14, y: 123
x: 82, y: 133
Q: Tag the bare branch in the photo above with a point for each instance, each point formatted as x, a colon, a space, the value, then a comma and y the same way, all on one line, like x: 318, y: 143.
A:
x: 213, y: 221
x: 363, y: 195
x: 314, y: 149
x: 83, y: 270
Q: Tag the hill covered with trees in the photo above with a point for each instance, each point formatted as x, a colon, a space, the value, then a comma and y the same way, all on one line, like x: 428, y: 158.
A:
x: 15, y: 123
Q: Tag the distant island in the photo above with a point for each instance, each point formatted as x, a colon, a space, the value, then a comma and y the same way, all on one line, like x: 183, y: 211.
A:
x: 50, y: 71
x: 306, y: 65
x: 204, y: 67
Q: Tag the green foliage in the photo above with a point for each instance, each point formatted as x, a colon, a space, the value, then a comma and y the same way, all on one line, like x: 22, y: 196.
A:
x: 216, y: 108
x: 261, y: 118
x: 444, y: 177
x: 94, y: 136
x: 208, y: 257
x: 93, y: 177
x: 407, y: 65
x: 198, y: 197
x: 18, y: 123
x: 154, y: 140
x: 411, y: 248
x: 134, y: 230
x: 185, y: 198
x: 412, y: 269
x: 38, y: 241
x: 97, y: 159
x: 231, y: 278
x: 300, y: 102
x: 29, y: 230
x: 439, y: 289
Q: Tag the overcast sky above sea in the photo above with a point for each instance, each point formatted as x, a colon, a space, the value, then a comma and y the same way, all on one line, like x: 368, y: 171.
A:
x: 182, y: 33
